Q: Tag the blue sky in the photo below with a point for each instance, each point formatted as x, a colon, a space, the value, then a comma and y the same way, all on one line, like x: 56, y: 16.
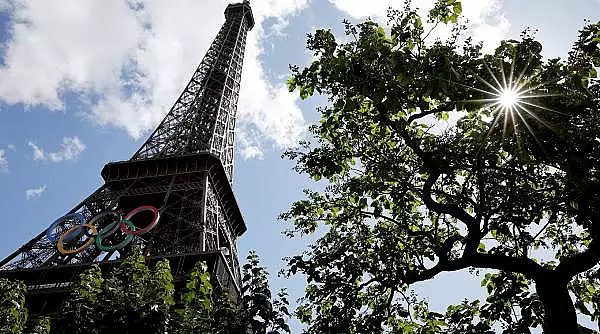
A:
x: 82, y: 82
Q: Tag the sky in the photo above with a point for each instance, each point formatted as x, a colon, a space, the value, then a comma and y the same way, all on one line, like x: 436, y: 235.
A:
x: 83, y: 82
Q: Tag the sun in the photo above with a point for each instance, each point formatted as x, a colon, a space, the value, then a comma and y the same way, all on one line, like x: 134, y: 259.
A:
x: 509, y: 98
x: 513, y: 100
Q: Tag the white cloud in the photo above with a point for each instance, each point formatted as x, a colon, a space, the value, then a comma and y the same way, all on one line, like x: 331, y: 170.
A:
x: 70, y: 150
x: 34, y: 192
x: 486, y: 21
x: 11, y: 147
x: 249, y: 147
x: 65, y: 45
x: 38, y: 152
x: 3, y: 161
x: 129, y: 60
x: 266, y: 110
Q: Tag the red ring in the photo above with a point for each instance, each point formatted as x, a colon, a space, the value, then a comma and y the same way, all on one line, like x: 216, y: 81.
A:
x: 125, y: 229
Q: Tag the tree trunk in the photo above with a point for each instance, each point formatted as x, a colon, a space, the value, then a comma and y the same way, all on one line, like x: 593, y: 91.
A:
x: 559, y: 312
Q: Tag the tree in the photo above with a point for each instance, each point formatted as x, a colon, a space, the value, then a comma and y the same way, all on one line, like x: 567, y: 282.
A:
x: 256, y: 311
x: 207, y: 309
x: 80, y: 312
x: 13, y: 313
x: 135, y: 299
x: 194, y: 311
x: 132, y: 299
x: 39, y: 325
x: 262, y: 312
x: 438, y: 158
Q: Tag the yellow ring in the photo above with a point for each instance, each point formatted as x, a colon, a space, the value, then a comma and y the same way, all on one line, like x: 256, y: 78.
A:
x: 63, y: 251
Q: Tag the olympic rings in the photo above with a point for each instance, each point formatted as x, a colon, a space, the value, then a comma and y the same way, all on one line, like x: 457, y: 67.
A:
x: 77, y: 220
x: 94, y: 221
x: 63, y: 237
x: 54, y: 238
x: 110, y: 230
x: 126, y: 230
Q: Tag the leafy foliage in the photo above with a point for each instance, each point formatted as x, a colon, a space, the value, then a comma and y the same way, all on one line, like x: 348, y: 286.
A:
x: 135, y: 299
x: 132, y: 299
x: 426, y: 175
x: 40, y: 325
x: 195, y: 308
x: 80, y: 311
x: 13, y: 313
x: 264, y: 314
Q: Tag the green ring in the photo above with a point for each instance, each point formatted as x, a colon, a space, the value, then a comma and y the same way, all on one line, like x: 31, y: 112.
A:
x: 109, y: 227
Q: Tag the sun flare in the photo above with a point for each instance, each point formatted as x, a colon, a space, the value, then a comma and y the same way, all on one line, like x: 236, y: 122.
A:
x: 509, y: 98
x: 513, y: 99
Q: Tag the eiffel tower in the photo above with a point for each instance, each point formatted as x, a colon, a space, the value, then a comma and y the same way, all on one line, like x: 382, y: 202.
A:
x: 173, y: 196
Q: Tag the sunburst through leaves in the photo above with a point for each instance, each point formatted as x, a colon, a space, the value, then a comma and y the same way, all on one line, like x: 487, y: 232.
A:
x: 513, y: 99
x: 509, y: 98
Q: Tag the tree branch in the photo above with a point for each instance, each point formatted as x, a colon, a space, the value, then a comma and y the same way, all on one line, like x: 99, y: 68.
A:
x: 579, y: 263
x: 525, y: 266
x: 474, y: 232
x: 449, y: 209
x: 551, y: 220
x: 440, y: 108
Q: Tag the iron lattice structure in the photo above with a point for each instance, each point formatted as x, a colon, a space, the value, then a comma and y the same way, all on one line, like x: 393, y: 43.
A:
x: 203, y: 118
x: 184, y: 170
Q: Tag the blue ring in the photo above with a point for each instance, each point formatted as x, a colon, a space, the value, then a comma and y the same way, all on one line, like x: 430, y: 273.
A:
x: 54, y: 238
